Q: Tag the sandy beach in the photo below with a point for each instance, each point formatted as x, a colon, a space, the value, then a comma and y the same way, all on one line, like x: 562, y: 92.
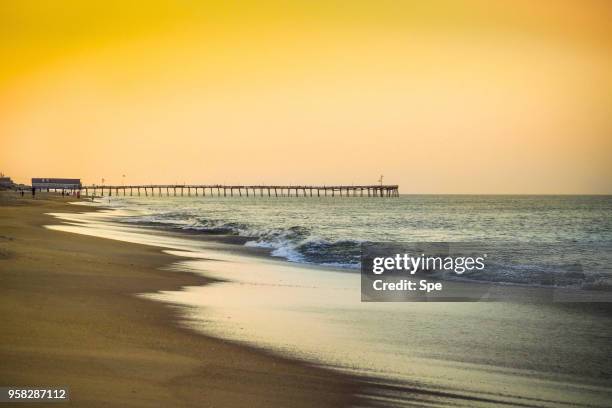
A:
x: 149, y: 315
x: 70, y: 318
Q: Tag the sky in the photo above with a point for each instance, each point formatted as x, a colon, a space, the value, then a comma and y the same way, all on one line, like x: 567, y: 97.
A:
x: 511, y: 97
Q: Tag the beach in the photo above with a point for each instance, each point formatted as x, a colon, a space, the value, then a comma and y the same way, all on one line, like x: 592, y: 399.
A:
x: 71, y: 318
x: 163, y: 312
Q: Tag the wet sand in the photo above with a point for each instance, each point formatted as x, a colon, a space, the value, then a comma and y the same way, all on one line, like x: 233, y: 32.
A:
x: 70, y: 318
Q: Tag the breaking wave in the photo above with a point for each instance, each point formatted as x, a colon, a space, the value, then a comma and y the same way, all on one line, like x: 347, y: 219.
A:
x: 295, y: 243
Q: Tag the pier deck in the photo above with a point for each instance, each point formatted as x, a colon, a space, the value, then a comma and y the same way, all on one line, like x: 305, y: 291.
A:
x: 222, y: 190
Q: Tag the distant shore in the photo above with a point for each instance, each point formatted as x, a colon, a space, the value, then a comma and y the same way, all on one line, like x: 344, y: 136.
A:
x: 71, y: 319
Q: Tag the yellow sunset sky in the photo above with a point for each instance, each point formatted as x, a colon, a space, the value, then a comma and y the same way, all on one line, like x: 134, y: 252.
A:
x: 439, y: 96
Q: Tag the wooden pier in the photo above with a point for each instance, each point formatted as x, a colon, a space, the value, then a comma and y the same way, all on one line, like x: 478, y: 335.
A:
x: 220, y: 190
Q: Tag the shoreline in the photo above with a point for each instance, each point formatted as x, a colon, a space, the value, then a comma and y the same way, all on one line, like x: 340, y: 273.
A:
x: 576, y: 290
x: 73, y: 318
x: 498, y: 291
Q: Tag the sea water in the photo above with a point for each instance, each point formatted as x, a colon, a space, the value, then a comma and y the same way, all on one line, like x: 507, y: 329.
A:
x: 304, y: 301
x: 329, y: 231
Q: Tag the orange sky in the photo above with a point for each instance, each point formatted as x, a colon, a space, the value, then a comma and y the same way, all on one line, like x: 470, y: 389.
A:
x: 439, y: 96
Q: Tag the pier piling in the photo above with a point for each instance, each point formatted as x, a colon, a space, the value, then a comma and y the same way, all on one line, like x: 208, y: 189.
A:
x: 361, y: 191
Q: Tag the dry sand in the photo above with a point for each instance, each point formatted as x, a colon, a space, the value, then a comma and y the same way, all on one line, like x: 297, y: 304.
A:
x: 70, y: 318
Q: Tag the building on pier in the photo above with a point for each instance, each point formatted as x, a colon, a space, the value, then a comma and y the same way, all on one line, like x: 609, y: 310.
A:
x: 56, y: 183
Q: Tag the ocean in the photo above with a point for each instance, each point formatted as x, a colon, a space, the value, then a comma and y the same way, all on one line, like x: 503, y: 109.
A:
x: 303, y: 301
x: 329, y: 231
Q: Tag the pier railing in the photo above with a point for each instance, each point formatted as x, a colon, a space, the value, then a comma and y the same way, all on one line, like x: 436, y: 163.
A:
x: 221, y: 190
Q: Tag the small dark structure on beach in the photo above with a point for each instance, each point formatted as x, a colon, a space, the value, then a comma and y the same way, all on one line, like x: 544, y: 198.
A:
x: 6, y: 183
x: 54, y: 184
